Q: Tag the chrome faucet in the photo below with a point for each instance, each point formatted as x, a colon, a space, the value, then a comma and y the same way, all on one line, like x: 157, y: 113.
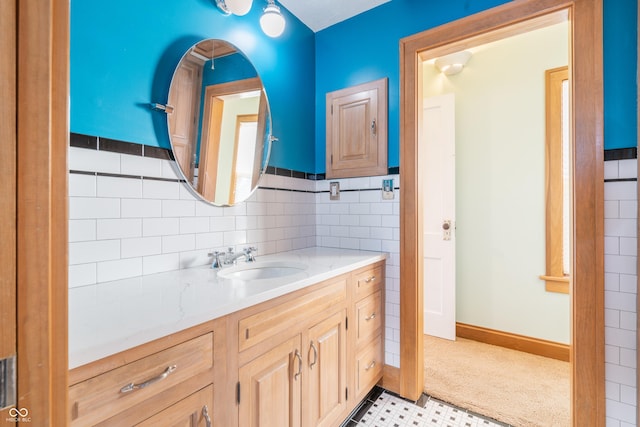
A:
x: 221, y: 259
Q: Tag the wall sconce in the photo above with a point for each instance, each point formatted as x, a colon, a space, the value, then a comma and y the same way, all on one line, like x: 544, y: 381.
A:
x: 236, y: 7
x: 272, y: 21
x: 453, y: 63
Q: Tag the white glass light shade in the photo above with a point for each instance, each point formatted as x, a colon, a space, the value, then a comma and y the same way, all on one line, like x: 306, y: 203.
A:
x: 453, y: 63
x: 236, y: 7
x: 272, y: 21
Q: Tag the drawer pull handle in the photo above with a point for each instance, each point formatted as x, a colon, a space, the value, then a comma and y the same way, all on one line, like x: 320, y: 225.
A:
x: 373, y: 316
x: 205, y: 415
x: 370, y: 279
x: 371, y: 365
x: 315, y: 355
x: 298, y: 356
x: 132, y: 387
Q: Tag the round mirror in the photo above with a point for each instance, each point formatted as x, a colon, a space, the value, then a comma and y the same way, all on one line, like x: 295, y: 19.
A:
x: 219, y: 122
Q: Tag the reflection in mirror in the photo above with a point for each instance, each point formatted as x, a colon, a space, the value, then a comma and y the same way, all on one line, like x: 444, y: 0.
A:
x: 220, y: 124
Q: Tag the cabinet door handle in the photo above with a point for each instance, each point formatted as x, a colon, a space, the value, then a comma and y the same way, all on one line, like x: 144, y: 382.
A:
x: 373, y: 316
x: 299, y: 357
x: 373, y: 127
x: 315, y: 355
x: 132, y: 387
x: 205, y: 415
x: 371, y: 365
x: 370, y: 279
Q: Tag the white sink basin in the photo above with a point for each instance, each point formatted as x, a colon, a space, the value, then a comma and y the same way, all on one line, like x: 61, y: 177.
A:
x: 262, y: 270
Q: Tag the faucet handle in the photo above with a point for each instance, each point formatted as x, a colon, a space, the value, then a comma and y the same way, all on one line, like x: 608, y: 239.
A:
x: 216, y: 259
x: 248, y: 253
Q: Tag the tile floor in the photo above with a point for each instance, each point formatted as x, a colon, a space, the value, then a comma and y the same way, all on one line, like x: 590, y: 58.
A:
x: 385, y: 409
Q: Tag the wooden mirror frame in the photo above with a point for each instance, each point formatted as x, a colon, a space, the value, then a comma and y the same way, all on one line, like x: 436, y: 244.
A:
x: 587, y: 293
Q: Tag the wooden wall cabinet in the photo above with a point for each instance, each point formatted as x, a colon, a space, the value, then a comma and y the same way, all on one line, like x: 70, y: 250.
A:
x: 357, y: 131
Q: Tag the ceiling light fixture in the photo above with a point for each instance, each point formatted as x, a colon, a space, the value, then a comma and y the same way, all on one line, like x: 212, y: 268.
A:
x: 453, y: 63
x: 236, y: 7
x: 272, y: 21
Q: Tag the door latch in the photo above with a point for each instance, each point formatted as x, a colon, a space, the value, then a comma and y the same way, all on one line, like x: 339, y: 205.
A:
x: 446, y: 229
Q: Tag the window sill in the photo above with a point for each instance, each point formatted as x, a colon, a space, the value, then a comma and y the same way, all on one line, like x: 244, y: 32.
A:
x: 556, y: 284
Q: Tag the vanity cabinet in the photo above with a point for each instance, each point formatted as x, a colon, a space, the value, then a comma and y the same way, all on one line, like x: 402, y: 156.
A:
x: 292, y: 358
x: 271, y: 387
x: 357, y: 131
x: 308, y: 358
x: 168, y: 379
x: 302, y: 359
x: 369, y: 315
x: 192, y: 411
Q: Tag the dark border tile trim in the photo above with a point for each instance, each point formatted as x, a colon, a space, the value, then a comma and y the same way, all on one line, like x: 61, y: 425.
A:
x: 82, y: 172
x: 157, y: 152
x: 117, y: 175
x: 115, y: 146
x: 621, y: 154
x: 83, y: 141
x: 124, y: 147
x: 621, y: 180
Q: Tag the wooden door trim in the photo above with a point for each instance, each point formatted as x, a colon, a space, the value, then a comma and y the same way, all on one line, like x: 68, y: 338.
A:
x: 42, y: 264
x: 8, y: 147
x: 587, y: 326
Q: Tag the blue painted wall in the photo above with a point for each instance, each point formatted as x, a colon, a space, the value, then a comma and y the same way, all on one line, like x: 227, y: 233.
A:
x: 620, y: 73
x: 366, y: 47
x: 123, y: 54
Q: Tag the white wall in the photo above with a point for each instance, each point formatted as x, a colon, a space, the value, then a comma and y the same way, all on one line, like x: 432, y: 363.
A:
x: 500, y: 179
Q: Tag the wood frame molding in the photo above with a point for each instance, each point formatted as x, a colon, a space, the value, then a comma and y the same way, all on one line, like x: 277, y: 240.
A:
x: 587, y: 293
x: 522, y: 343
x: 42, y: 263
x: 554, y: 276
x: 8, y: 147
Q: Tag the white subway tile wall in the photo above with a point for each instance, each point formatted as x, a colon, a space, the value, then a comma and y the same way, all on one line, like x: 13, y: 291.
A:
x: 361, y: 219
x: 122, y: 227
x: 126, y: 226
x: 620, y: 263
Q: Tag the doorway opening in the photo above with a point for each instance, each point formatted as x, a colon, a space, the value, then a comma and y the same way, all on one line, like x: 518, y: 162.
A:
x: 485, y: 171
x: 586, y: 294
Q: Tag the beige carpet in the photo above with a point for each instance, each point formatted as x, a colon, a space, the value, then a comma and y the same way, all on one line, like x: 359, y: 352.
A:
x: 517, y: 388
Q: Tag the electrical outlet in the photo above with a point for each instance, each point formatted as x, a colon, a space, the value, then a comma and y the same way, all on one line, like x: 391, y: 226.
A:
x: 334, y: 190
x: 387, y: 189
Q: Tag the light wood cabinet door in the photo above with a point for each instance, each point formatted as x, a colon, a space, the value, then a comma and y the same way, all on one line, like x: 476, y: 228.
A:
x: 325, y: 397
x: 271, y: 386
x: 357, y: 131
x: 193, y: 411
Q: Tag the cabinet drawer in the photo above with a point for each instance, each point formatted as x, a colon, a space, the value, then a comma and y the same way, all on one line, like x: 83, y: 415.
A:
x: 107, y: 394
x: 369, y: 367
x: 368, y: 280
x: 283, y: 317
x: 368, y: 316
x: 195, y: 411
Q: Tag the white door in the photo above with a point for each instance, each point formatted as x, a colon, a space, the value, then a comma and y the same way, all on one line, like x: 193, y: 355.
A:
x: 437, y: 166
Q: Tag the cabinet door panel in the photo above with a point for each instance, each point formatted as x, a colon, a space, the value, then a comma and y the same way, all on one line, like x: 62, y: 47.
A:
x: 270, y: 389
x: 326, y: 372
x: 189, y: 412
x: 357, y: 130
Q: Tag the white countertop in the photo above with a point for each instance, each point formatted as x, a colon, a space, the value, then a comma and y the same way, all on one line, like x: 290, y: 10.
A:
x: 110, y: 317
